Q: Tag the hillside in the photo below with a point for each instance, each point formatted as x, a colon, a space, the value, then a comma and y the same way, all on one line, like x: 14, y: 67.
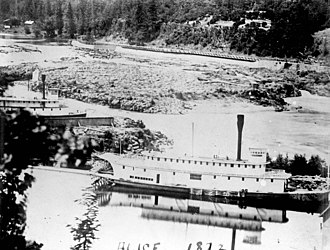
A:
x: 268, y: 28
x: 323, y: 38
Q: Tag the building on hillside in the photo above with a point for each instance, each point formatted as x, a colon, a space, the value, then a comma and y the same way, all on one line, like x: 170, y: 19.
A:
x: 29, y: 23
x: 29, y: 26
x: 264, y: 24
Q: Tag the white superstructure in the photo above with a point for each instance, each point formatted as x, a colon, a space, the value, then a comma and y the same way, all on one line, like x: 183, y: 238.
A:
x: 198, y: 172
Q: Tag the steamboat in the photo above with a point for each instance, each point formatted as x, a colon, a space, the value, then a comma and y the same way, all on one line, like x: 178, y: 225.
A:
x: 46, y: 106
x: 211, y: 176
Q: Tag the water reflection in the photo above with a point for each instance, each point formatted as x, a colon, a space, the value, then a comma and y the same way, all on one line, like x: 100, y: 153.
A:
x: 233, y: 215
x: 190, y: 211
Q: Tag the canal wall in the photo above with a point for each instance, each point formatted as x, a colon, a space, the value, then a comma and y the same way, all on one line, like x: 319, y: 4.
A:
x: 191, y: 52
x: 79, y: 121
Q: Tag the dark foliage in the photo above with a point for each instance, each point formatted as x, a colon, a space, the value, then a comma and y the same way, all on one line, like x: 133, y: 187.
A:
x: 26, y: 139
x: 139, y: 21
x: 299, y: 165
x: 87, y: 224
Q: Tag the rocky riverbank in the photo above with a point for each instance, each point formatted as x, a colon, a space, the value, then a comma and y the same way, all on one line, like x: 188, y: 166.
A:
x: 169, y: 85
x: 125, y: 135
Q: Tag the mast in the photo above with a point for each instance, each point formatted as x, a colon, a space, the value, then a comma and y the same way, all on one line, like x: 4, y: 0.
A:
x: 192, y: 139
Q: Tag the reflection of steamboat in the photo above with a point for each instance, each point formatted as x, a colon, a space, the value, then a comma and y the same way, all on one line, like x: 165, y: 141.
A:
x: 189, y: 211
x: 200, y: 175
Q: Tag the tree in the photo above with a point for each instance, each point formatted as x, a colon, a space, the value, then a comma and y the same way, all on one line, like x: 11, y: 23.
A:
x: 49, y: 27
x: 298, y: 166
x: 140, y: 23
x: 71, y: 26
x: 280, y: 162
x: 29, y: 9
x: 81, y: 17
x: 59, y: 17
x: 153, y: 20
x: 315, y: 165
x: 49, y: 9
x: 5, y: 8
x: 41, y: 11
x: 25, y: 138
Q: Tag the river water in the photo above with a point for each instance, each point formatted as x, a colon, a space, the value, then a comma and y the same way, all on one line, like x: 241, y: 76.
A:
x: 60, y: 202
x: 57, y: 199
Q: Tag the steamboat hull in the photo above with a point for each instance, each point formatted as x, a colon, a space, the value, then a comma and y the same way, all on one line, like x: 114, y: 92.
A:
x: 284, y: 202
x: 318, y: 197
x: 69, y: 115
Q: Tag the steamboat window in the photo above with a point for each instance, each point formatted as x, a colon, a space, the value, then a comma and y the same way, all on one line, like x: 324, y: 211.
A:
x: 253, y: 166
x: 158, y: 159
x: 239, y: 165
x: 200, y: 162
x: 152, y: 158
x: 214, y: 176
x: 196, y: 177
x: 165, y: 159
x: 193, y: 210
x: 232, y: 165
x: 189, y: 161
x: 177, y: 160
x: 207, y: 163
x: 228, y: 178
x: 260, y: 166
x: 225, y: 164
x: 271, y: 180
x: 173, y: 173
x: 144, y: 170
x: 171, y: 160
x: 213, y: 163
x: 182, y: 161
x: 245, y: 166
x: 242, y: 178
x: 195, y: 162
x: 257, y: 180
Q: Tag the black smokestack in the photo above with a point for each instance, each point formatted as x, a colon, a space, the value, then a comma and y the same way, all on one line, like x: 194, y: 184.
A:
x: 240, y: 123
x: 43, y: 78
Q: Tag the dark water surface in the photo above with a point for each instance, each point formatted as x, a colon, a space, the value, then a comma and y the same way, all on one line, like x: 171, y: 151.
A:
x: 124, y: 219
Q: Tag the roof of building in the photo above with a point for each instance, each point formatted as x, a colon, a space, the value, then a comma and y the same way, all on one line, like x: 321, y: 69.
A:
x: 29, y: 22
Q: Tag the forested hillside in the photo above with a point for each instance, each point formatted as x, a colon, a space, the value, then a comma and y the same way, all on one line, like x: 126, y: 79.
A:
x: 280, y: 28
